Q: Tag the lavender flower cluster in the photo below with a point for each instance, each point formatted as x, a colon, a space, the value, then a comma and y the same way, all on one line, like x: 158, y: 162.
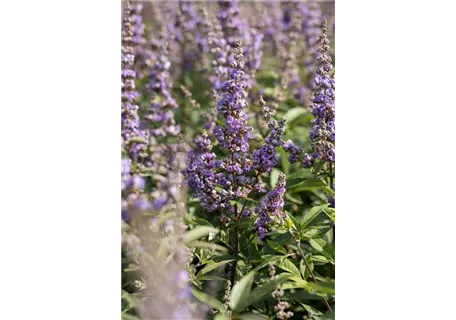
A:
x: 231, y: 106
x: 235, y: 29
x: 322, y: 133
x: 219, y: 48
x: 265, y: 158
x: 143, y: 54
x: 162, y: 106
x: 218, y: 182
x: 133, y: 139
x: 311, y: 22
x: 271, y: 207
x: 201, y: 176
x: 131, y: 186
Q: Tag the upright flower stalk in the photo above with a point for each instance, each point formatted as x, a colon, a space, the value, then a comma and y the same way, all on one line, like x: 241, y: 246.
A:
x: 235, y: 28
x: 162, y: 106
x: 311, y: 20
x: 270, y: 210
x: 265, y: 158
x: 134, y: 140
x: 143, y: 54
x: 322, y: 133
x: 231, y: 106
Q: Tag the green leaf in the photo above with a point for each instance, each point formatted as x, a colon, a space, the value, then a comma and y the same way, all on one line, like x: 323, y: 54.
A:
x: 297, y: 284
x: 312, y: 231
x: 284, y: 238
x: 265, y: 260
x: 301, y: 174
x: 203, y: 222
x: 274, y: 177
x: 221, y: 317
x: 208, y: 299
x: 137, y: 140
x: 302, y: 295
x: 212, y: 266
x: 222, y: 257
x: 329, y: 191
x: 323, y: 287
x: 312, y: 214
x: 323, y: 247
x: 288, y: 196
x: 252, y: 316
x: 329, y: 315
x: 284, y: 159
x: 131, y: 267
x: 245, y: 223
x: 188, y: 80
x: 294, y: 113
x: 317, y: 244
x: 306, y: 185
x: 258, y: 293
x: 311, y: 310
x: 287, y: 265
x: 198, y: 233
x: 303, y: 269
x: 276, y: 247
x: 322, y: 259
x: 241, y: 290
x: 127, y: 297
x: 269, y: 73
x: 207, y: 245
x: 126, y: 316
x: 210, y: 278
x: 293, y: 219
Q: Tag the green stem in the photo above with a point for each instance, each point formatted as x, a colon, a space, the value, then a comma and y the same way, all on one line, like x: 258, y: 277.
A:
x: 235, y: 248
x: 298, y: 245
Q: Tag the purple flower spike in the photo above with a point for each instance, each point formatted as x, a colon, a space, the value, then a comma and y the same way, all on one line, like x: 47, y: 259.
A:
x: 134, y: 140
x: 271, y: 207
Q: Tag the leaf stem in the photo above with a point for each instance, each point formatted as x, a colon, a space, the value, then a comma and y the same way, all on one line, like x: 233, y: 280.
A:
x: 298, y: 245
